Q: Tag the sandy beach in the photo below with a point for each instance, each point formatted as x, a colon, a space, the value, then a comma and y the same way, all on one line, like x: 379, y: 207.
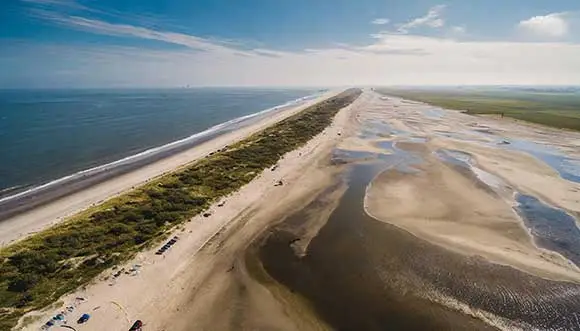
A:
x: 397, y: 213
x: 23, y: 224
x: 443, y: 240
x: 181, y: 273
x: 449, y: 208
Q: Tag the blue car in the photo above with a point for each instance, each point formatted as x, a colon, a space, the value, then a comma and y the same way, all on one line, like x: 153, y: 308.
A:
x: 84, y: 318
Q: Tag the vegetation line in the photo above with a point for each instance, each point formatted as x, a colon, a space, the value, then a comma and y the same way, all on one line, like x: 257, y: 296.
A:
x: 561, y: 110
x: 38, y: 270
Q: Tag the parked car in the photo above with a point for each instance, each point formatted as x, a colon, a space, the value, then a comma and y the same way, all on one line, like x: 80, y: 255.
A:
x: 84, y: 318
x: 136, y: 326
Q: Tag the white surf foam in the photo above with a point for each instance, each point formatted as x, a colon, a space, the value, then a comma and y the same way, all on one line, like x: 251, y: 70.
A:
x: 173, y: 144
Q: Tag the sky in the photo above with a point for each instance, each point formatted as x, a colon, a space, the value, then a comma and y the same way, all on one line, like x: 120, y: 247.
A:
x: 283, y: 43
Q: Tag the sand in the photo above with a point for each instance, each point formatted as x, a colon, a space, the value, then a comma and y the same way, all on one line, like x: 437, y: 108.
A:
x: 210, y: 279
x: 446, y: 207
x: 192, y: 286
x: 357, y: 144
x: 19, y: 226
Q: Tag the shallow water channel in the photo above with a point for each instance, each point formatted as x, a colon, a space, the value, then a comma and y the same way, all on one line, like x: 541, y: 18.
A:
x: 363, y: 274
x: 552, y: 228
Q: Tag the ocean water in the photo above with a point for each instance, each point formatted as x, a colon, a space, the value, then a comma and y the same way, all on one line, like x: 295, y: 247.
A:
x: 49, y: 134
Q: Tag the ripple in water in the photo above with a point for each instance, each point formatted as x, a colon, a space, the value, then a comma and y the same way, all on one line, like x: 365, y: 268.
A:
x: 553, y: 228
x: 362, y: 274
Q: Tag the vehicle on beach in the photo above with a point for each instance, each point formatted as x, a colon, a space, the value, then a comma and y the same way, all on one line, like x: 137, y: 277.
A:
x: 83, y: 319
x: 137, y: 326
x: 167, y: 245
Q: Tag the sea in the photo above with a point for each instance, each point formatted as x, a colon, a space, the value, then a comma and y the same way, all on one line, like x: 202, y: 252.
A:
x: 50, y: 135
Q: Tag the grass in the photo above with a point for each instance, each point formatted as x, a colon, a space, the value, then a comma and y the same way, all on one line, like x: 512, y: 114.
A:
x: 37, y: 271
x: 559, y: 110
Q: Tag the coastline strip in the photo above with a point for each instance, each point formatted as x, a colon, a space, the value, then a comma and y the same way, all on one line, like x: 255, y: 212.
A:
x: 67, y: 199
x: 33, y: 197
x: 36, y: 271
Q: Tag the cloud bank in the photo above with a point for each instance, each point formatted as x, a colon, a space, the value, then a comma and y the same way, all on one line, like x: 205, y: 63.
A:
x: 386, y: 58
x: 553, y: 25
x: 433, y: 19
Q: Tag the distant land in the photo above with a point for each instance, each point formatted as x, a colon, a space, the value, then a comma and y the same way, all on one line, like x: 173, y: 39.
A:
x: 553, y: 106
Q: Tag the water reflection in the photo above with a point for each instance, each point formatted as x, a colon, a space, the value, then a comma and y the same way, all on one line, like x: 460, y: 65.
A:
x: 553, y: 228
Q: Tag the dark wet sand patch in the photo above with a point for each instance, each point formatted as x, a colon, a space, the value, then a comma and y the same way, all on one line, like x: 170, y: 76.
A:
x: 361, y: 274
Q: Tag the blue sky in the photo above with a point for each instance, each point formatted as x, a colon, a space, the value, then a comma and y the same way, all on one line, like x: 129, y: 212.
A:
x: 146, y: 43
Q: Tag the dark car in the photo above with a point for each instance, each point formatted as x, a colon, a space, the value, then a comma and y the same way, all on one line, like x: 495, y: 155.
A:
x: 136, y: 326
x: 84, y: 318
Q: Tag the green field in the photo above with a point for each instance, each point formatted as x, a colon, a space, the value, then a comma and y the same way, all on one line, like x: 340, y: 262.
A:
x: 38, y: 270
x: 560, y: 109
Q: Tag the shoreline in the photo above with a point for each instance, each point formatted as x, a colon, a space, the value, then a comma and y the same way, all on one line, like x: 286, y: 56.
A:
x: 204, y: 282
x: 486, y: 222
x: 460, y: 272
x: 221, y: 119
x: 39, y: 195
x: 23, y: 218
x: 194, y: 259
x: 149, y: 154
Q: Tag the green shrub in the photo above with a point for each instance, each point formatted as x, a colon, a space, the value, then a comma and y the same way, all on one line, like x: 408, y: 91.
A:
x: 35, y: 271
x: 22, y: 283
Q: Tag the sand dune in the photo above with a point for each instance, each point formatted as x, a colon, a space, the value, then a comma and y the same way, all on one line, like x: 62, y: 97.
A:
x: 21, y: 225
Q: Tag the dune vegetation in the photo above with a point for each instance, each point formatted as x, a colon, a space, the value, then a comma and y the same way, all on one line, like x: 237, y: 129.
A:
x: 36, y: 271
x: 551, y: 108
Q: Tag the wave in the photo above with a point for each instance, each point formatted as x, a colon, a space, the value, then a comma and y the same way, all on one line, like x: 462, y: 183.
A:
x: 7, y: 190
x: 142, y: 155
x: 489, y: 318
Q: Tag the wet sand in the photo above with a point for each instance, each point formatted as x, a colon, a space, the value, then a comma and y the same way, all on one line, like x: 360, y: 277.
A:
x: 351, y: 271
x: 449, y: 206
x: 444, y: 249
x: 423, y: 242
x: 362, y: 274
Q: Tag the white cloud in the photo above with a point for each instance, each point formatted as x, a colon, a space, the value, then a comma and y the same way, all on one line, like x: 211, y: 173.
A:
x: 432, y: 19
x: 553, y: 25
x: 389, y: 58
x: 458, y: 30
x: 380, y: 21
x: 106, y: 28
